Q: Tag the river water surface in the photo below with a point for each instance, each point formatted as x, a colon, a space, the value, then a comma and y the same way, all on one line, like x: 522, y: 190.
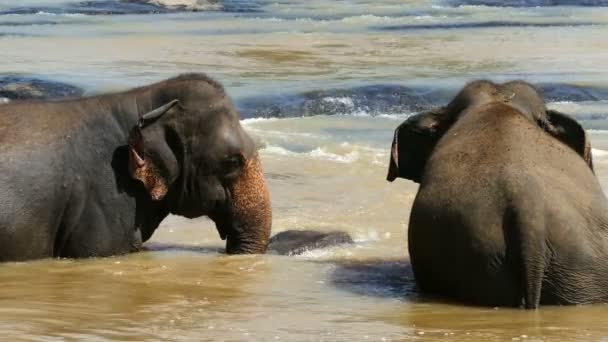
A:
x: 321, y: 85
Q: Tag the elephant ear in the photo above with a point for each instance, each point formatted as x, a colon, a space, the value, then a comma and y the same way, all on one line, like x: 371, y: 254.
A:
x: 570, y: 132
x: 413, y: 143
x: 151, y: 160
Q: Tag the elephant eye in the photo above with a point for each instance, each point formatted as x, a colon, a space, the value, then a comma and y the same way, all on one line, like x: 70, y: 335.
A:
x: 232, y: 164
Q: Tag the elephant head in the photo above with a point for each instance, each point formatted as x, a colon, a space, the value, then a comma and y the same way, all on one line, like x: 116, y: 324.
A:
x: 413, y: 143
x: 415, y: 139
x: 194, y: 158
x: 570, y: 132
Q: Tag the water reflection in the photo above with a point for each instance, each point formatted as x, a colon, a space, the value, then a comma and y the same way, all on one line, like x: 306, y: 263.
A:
x: 376, y: 278
x: 458, y: 323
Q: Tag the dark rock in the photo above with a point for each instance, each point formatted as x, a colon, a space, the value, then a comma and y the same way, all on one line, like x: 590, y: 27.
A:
x: 482, y: 24
x: 530, y: 3
x: 27, y: 88
x: 106, y: 7
x: 378, y: 99
x: 558, y: 92
x: 371, y: 100
x: 122, y: 7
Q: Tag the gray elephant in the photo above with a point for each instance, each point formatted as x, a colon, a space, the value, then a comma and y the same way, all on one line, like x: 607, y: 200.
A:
x: 95, y: 176
x: 509, y: 211
x: 295, y: 242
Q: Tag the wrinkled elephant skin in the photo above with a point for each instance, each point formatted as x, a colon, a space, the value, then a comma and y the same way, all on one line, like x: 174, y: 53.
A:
x: 95, y: 176
x: 509, y: 211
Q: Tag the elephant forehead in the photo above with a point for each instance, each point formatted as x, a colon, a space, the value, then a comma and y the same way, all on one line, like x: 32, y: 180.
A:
x: 235, y: 140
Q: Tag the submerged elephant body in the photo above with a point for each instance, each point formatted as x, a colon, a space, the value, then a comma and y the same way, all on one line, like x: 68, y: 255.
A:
x: 95, y: 176
x: 509, y: 211
x: 295, y: 242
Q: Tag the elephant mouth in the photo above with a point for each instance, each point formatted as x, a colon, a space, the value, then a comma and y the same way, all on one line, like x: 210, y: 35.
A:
x: 223, y: 230
x: 222, y: 216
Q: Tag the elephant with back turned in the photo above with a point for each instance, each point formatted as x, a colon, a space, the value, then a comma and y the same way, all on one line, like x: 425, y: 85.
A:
x: 95, y: 176
x: 509, y: 211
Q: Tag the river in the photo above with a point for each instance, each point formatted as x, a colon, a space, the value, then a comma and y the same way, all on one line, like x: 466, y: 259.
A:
x: 320, y: 85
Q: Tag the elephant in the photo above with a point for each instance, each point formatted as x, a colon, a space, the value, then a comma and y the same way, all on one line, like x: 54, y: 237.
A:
x: 94, y: 176
x: 286, y: 243
x: 295, y: 242
x: 508, y: 210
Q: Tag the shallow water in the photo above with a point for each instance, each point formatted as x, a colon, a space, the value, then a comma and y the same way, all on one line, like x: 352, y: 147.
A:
x: 371, y: 64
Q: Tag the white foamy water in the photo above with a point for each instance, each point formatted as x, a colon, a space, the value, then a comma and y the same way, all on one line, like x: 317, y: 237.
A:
x: 324, y: 172
x: 318, y: 153
x: 599, y: 153
x: 198, y: 5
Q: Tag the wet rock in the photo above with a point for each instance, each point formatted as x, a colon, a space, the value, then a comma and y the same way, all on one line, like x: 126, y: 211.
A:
x: 106, y: 7
x: 482, y: 24
x: 25, y: 88
x: 190, y: 5
x: 239, y: 6
x: 29, y: 23
x: 366, y: 100
x: 560, y: 92
x: 374, y: 100
x: 530, y: 3
x: 122, y: 7
x: 294, y: 242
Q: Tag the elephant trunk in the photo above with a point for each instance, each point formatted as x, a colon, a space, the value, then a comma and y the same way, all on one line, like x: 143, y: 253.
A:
x: 250, y: 209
